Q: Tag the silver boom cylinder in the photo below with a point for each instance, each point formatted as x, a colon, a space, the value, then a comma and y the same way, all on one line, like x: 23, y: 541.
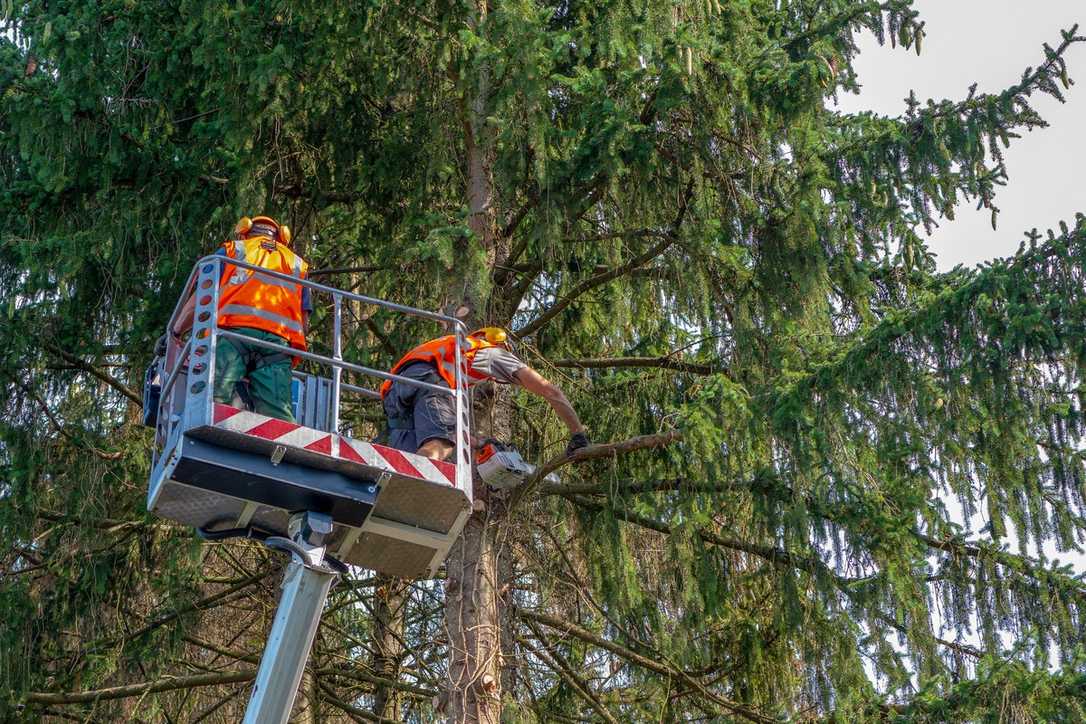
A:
x: 305, y: 589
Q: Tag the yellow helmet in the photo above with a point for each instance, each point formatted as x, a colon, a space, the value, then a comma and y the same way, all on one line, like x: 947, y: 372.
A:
x: 494, y: 335
x: 245, y: 225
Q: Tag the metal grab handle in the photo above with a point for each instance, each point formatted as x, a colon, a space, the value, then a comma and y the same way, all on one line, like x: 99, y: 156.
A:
x: 328, y: 361
x: 337, y: 354
x: 220, y: 260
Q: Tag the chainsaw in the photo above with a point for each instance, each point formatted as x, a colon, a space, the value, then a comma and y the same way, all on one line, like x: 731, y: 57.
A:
x: 501, y: 466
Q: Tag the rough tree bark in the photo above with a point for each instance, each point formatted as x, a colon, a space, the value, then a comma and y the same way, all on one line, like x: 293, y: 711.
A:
x: 506, y: 620
x: 389, y: 604
x: 472, y: 618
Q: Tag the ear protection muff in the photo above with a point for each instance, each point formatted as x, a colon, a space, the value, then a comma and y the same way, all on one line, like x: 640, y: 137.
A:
x: 494, y: 335
x: 245, y: 225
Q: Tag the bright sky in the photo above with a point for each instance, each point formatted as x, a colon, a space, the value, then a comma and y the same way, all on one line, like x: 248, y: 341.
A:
x: 991, y: 42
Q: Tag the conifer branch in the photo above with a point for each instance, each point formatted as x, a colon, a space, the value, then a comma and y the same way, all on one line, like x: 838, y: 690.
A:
x: 663, y: 362
x: 897, y: 158
x: 590, y: 191
x: 355, y: 674
x: 297, y: 191
x: 1015, y: 563
x: 63, y: 715
x: 568, y: 627
x: 56, y: 424
x: 151, y: 687
x: 835, y: 24
x: 776, y: 556
x: 637, y: 487
x: 350, y: 709
x: 516, y: 293
x: 95, y: 372
x: 561, y: 667
x: 232, y: 655
x: 346, y: 270
x: 669, y: 238
x: 214, y: 707
x: 215, y: 599
x: 966, y: 701
x: 591, y: 283
x: 947, y: 302
x: 514, y: 221
x: 592, y: 452
x: 1019, y: 564
x: 107, y: 525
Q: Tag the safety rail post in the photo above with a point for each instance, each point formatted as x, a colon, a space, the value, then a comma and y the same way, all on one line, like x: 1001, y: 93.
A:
x: 337, y: 355
x: 214, y: 273
x: 168, y: 393
x: 200, y: 380
x: 463, y: 424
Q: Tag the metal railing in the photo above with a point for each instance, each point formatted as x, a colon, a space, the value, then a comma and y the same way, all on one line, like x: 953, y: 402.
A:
x: 195, y: 358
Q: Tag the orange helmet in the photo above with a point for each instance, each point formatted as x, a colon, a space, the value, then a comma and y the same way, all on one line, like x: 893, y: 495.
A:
x: 246, y: 225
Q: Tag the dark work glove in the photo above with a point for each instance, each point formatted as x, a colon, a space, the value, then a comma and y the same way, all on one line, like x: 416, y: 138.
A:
x: 160, y: 347
x: 577, y: 441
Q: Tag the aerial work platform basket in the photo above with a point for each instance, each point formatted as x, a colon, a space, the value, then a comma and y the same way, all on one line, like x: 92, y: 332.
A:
x: 219, y: 466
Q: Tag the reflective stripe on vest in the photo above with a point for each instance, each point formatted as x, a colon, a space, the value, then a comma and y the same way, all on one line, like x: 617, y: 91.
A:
x: 248, y: 298
x: 441, y: 353
x: 263, y: 314
x: 265, y: 279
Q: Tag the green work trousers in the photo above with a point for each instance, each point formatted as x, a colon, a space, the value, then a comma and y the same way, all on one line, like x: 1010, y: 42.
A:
x: 268, y: 372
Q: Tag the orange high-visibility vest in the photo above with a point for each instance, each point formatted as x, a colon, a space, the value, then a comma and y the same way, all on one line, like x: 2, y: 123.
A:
x: 259, y: 301
x: 441, y: 353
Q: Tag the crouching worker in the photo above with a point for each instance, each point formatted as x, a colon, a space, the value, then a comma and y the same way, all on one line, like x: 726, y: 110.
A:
x: 424, y: 421
x: 260, y: 307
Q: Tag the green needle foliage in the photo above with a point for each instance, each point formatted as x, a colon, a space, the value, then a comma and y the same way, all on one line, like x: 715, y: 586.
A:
x: 873, y: 464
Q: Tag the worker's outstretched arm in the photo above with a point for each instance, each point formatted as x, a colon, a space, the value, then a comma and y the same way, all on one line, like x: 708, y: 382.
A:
x: 184, y: 317
x: 535, y: 383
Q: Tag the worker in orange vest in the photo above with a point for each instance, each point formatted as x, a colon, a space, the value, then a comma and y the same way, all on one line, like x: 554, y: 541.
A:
x: 260, y: 307
x: 424, y: 421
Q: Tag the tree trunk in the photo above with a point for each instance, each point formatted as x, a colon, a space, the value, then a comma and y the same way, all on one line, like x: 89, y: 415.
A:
x: 507, y: 621
x: 389, y: 605
x: 471, y: 615
x: 472, y: 607
x: 305, y: 703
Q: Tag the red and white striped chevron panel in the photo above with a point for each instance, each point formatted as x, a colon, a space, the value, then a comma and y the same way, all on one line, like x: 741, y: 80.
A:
x: 291, y: 434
